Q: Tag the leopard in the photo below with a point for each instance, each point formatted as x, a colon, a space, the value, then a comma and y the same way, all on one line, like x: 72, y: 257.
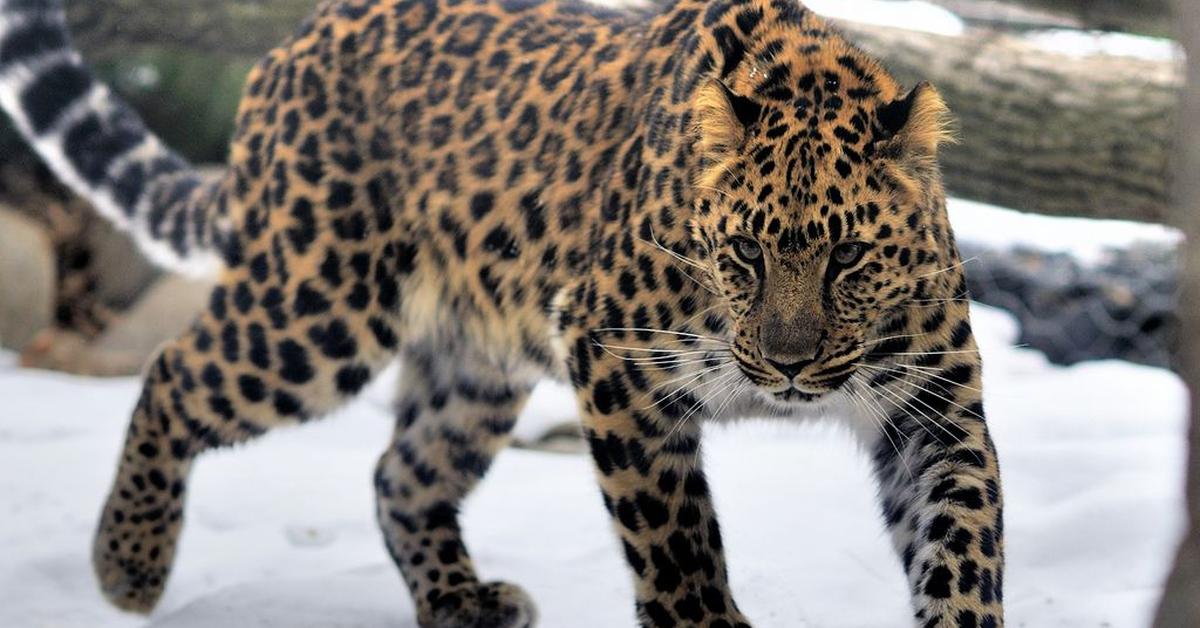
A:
x: 689, y: 211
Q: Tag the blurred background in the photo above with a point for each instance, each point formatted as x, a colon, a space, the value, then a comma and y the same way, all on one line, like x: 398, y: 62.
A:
x: 1068, y: 184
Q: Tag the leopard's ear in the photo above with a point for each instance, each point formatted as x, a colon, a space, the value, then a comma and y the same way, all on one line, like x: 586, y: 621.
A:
x: 721, y: 119
x: 915, y: 125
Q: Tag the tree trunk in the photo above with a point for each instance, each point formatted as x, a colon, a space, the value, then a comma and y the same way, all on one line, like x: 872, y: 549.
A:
x: 1181, y: 602
x: 1045, y: 132
x: 1145, y: 17
x: 1040, y: 132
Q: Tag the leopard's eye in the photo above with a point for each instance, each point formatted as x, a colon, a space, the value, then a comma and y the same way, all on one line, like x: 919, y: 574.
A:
x: 747, y: 249
x: 848, y: 254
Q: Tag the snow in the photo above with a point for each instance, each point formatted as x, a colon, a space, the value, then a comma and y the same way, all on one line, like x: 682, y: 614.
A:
x: 1076, y: 43
x: 281, y: 532
x: 931, y: 18
x: 909, y: 14
x: 1089, y: 239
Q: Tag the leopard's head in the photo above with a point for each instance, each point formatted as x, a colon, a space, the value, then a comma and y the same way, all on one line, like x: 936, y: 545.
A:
x: 819, y: 205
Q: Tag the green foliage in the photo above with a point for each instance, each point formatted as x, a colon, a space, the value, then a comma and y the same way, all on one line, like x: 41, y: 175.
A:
x: 188, y: 99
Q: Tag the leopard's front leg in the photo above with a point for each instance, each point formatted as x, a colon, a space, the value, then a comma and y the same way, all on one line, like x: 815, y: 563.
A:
x: 646, y: 450
x: 940, y: 483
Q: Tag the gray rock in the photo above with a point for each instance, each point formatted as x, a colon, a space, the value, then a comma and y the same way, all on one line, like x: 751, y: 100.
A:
x: 163, y: 311
x: 27, y: 279
x: 1124, y: 307
x: 123, y: 272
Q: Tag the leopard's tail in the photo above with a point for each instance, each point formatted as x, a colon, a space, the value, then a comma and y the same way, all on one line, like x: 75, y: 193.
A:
x: 98, y: 145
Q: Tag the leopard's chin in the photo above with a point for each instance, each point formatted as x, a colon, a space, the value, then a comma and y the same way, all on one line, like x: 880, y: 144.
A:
x: 797, y: 403
x: 794, y: 396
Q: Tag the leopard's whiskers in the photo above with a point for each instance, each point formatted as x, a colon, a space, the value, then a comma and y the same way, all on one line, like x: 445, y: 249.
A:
x: 949, y: 268
x: 959, y: 298
x: 710, y: 188
x: 926, y: 371
x: 719, y: 384
x: 869, y: 343
x: 905, y: 405
x: 864, y: 404
x: 679, y: 257
x: 651, y: 330
x: 691, y: 378
x: 913, y: 395
x: 918, y: 389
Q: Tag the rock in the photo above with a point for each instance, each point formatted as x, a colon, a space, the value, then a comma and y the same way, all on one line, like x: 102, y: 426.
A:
x: 164, y: 310
x: 27, y: 279
x: 122, y: 272
x: 1122, y: 307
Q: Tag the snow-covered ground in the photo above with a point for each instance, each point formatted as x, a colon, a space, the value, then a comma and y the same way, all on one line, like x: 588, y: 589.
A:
x: 1086, y: 239
x: 281, y: 532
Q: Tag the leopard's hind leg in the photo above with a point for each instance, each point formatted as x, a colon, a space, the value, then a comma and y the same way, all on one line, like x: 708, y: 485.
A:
x: 454, y: 412
x: 266, y: 352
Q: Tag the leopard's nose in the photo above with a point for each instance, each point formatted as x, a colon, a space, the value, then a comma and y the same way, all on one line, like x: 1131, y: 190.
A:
x: 790, y: 369
x: 789, y: 350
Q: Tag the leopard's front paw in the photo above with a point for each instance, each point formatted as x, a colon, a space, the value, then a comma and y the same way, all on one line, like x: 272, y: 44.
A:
x: 690, y: 611
x: 135, y: 540
x: 726, y: 621
x: 488, y: 605
x: 130, y: 568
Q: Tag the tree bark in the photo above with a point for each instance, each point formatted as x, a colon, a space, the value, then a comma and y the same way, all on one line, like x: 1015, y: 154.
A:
x: 1040, y: 131
x: 1145, y: 17
x: 1007, y: 16
x: 1045, y: 132
x: 1181, y: 603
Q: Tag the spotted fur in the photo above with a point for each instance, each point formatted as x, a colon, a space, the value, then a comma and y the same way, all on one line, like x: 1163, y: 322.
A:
x: 717, y: 209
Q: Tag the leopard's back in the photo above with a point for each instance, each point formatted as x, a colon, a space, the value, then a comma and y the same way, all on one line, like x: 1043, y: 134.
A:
x: 479, y: 135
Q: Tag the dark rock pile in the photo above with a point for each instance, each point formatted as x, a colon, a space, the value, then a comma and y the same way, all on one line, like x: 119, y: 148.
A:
x: 1122, y: 307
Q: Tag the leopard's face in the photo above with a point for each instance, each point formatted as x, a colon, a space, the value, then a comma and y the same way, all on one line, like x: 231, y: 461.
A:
x: 818, y: 229
x: 805, y: 293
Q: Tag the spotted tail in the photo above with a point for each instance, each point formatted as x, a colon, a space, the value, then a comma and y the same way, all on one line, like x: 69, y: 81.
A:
x: 98, y: 145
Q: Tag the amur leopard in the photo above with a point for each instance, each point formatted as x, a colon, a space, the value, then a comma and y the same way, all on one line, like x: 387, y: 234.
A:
x: 704, y: 209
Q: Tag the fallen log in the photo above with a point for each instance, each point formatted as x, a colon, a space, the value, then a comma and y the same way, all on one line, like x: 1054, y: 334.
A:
x: 1041, y: 131
x: 1144, y: 17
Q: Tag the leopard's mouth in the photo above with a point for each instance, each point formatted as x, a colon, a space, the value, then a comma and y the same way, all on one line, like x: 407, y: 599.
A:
x: 794, y: 395
x: 790, y: 396
x: 774, y: 387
